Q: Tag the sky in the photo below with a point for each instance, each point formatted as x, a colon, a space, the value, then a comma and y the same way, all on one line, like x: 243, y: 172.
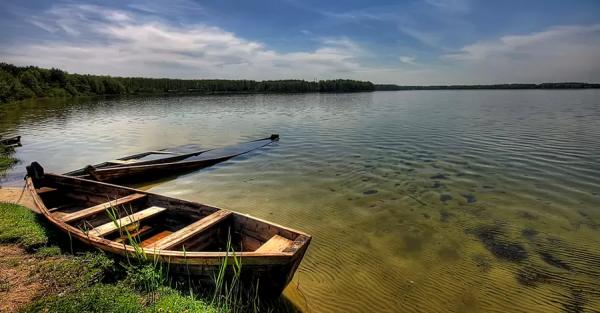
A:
x: 407, y: 42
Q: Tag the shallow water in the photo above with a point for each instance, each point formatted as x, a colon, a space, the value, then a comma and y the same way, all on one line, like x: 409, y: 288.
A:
x: 426, y: 201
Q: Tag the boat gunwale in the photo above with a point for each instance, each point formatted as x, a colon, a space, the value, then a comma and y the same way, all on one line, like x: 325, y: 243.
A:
x: 174, y: 256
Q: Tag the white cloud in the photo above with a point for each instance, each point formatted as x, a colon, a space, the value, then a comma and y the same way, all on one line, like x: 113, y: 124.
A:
x: 563, y: 53
x: 106, y: 41
x: 407, y: 59
x: 557, y: 54
x: 534, y: 44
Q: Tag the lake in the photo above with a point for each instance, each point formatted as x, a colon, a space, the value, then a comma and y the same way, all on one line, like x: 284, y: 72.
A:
x: 418, y: 201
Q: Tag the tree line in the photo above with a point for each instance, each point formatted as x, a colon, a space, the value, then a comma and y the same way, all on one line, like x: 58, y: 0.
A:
x: 565, y: 85
x: 25, y: 82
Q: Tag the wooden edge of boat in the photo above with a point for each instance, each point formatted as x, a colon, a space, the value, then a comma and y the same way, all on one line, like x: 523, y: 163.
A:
x: 299, y: 246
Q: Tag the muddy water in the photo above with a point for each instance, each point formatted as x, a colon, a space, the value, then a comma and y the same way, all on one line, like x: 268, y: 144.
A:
x: 431, y: 201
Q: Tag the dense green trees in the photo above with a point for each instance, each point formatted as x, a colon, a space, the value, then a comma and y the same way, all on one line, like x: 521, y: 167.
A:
x: 17, y: 83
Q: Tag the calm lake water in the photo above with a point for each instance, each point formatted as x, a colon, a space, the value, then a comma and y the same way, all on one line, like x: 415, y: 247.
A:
x: 427, y: 201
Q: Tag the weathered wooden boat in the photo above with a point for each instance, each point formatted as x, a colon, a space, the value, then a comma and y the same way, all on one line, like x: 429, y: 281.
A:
x: 11, y: 141
x: 154, y: 164
x: 189, y: 236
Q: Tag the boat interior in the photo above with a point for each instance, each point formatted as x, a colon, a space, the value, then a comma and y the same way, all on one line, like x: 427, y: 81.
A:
x: 157, y: 222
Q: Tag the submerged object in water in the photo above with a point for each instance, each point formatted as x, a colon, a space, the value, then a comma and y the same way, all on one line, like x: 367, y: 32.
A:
x: 155, y: 164
x: 10, y: 141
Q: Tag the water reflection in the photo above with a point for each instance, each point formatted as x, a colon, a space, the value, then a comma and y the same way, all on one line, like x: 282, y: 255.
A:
x: 418, y: 201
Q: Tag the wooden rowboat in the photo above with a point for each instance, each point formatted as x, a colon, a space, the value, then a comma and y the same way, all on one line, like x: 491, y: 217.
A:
x: 189, y: 236
x: 155, y: 164
x: 11, y: 141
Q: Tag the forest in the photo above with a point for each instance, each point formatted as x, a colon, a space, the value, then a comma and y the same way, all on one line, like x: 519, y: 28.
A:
x: 25, y: 82
x: 565, y: 85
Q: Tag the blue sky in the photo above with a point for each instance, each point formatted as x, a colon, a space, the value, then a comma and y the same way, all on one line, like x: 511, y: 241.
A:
x: 404, y: 42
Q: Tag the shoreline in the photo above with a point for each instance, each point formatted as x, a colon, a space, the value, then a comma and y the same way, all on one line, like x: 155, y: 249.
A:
x: 18, y: 196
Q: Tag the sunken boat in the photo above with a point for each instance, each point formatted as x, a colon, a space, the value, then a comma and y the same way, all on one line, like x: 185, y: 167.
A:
x: 157, y: 164
x: 192, y: 238
x: 10, y: 141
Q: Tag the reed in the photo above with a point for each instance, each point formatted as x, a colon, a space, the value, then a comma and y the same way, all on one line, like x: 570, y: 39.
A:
x: 144, y: 274
x: 227, y: 294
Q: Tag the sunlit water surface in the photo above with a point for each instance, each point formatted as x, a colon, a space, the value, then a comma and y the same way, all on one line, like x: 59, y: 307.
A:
x: 429, y: 201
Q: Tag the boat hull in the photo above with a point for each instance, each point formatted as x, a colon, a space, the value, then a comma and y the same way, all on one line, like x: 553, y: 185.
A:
x: 148, y: 172
x: 272, y: 271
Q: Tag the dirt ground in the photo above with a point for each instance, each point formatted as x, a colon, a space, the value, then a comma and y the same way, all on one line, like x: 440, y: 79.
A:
x: 17, y: 195
x: 18, y: 284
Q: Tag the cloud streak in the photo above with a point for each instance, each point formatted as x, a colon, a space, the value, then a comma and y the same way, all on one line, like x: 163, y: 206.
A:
x: 562, y: 53
x: 530, y: 44
x: 107, y: 41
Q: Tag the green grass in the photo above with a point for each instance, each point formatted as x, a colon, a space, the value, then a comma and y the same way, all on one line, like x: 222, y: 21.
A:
x: 19, y: 225
x: 98, y: 298
x: 74, y: 272
x: 50, y: 251
x: 144, y: 278
x: 170, y: 300
x: 119, y: 298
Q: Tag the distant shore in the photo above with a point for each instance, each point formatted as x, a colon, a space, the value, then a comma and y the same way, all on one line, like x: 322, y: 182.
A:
x: 30, y: 82
x: 565, y: 85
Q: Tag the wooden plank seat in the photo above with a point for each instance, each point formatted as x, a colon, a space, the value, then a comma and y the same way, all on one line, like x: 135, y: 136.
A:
x: 134, y: 233
x: 59, y: 214
x: 101, y: 207
x: 113, y: 226
x: 150, y: 241
x: 275, y: 245
x: 189, y: 231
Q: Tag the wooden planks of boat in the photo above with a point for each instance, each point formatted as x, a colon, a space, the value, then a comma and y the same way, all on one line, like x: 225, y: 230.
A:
x: 155, y: 164
x: 10, y: 141
x: 189, y: 236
